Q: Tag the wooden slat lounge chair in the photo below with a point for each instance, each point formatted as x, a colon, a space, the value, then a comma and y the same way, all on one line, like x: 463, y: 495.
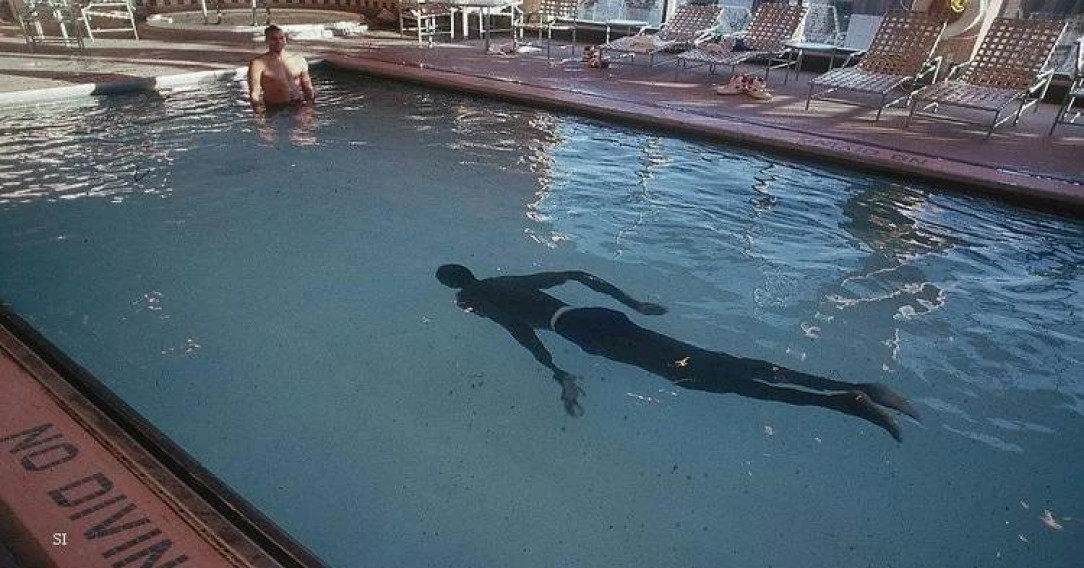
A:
x: 549, y: 16
x: 773, y: 25
x: 689, y: 24
x: 1066, y: 114
x: 1008, y: 68
x: 899, y: 57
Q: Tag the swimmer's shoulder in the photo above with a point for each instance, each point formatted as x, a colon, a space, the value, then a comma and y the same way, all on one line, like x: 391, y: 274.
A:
x: 258, y: 61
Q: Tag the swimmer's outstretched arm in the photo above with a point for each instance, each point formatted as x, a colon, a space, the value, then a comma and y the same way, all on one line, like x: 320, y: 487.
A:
x: 551, y: 279
x: 526, y: 337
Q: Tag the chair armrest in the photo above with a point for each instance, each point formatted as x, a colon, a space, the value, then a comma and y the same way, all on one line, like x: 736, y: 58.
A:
x: 1041, y: 81
x: 955, y: 70
x: 931, y: 68
x: 852, y: 55
x: 703, y: 35
x: 1079, y: 66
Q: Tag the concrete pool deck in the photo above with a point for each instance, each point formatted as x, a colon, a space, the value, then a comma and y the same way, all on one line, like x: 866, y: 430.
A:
x: 1019, y: 163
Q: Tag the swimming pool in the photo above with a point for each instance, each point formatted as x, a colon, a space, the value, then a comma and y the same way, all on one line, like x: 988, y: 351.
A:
x: 263, y: 292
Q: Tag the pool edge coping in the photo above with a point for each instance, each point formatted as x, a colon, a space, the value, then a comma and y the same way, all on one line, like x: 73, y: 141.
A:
x: 1048, y: 193
x: 153, y: 83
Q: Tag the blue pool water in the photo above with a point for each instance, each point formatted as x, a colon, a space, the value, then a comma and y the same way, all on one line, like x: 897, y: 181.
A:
x: 263, y: 292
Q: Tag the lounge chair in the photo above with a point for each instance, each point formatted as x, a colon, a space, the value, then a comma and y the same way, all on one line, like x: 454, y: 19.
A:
x: 859, y: 37
x: 549, y: 16
x: 423, y: 19
x: 900, y: 57
x: 632, y: 15
x: 115, y: 10
x: 1063, y: 60
x: 1008, y: 68
x: 822, y: 24
x: 733, y: 21
x: 1066, y: 114
x: 773, y: 25
x: 38, y: 18
x: 689, y: 24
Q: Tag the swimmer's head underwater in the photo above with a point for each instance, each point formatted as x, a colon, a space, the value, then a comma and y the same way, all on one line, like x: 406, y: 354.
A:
x: 455, y: 276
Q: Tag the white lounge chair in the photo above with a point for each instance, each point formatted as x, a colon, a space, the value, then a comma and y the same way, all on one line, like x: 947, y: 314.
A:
x: 112, y: 10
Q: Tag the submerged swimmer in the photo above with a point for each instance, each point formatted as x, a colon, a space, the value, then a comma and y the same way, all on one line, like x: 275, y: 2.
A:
x: 278, y: 78
x: 518, y: 304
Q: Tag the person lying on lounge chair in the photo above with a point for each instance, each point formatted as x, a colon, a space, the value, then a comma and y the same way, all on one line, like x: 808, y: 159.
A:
x: 519, y: 305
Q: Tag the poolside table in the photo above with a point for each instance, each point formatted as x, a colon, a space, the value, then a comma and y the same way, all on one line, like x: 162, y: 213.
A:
x: 798, y: 49
x: 486, y: 8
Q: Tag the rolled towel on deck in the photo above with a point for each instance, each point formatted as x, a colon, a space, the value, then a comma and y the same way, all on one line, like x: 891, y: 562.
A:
x: 641, y: 44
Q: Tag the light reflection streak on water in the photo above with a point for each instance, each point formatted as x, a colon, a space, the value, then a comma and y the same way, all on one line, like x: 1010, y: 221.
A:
x: 905, y: 256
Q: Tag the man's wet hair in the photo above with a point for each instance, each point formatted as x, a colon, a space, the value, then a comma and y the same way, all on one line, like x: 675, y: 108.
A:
x: 455, y: 275
x: 270, y: 30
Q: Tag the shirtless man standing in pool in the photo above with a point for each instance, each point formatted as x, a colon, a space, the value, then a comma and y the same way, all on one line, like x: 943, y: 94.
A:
x: 518, y: 304
x: 278, y: 78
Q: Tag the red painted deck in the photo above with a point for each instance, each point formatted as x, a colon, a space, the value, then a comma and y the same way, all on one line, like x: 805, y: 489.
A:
x: 76, y: 492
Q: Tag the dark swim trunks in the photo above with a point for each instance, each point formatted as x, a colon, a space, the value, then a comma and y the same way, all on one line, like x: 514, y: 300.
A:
x: 588, y: 326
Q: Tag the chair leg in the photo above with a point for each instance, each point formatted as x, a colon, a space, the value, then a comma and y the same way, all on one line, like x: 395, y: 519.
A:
x: 809, y: 97
x: 881, y: 108
x: 1042, y: 93
x: 911, y: 114
x: 1065, y: 106
x: 993, y: 123
x: 90, y: 32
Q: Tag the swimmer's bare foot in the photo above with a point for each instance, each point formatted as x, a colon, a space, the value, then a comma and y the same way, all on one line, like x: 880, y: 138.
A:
x: 885, y: 396
x: 859, y: 404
